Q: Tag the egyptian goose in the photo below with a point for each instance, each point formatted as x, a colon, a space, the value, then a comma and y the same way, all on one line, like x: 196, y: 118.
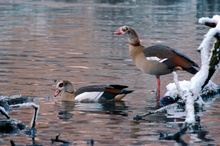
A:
x: 155, y: 60
x: 93, y: 93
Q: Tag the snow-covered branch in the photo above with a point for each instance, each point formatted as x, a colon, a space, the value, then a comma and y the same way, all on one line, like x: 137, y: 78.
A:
x: 200, y: 86
x: 209, y: 65
x: 200, y: 90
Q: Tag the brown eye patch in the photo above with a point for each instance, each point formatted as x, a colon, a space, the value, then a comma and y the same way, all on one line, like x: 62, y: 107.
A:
x: 61, y: 85
x: 124, y: 29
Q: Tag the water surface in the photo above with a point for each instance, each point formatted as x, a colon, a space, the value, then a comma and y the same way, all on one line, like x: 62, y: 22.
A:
x: 43, y: 41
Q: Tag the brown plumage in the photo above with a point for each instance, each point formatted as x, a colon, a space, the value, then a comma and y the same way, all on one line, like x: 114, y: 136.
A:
x: 92, y: 93
x: 156, y: 60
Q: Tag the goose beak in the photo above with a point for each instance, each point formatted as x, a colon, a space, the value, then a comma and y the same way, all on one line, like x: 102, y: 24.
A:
x: 57, y: 92
x: 118, y: 32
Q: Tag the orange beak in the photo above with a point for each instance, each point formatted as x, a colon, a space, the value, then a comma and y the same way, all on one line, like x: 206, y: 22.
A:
x: 57, y: 92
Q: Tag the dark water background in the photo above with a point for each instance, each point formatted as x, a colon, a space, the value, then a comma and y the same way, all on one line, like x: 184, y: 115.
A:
x: 46, y: 40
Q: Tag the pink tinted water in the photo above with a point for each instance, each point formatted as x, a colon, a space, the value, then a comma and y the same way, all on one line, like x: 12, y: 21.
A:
x: 43, y: 41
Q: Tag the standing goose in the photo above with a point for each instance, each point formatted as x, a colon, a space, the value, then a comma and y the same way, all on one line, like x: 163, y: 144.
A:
x: 93, y: 93
x: 155, y: 60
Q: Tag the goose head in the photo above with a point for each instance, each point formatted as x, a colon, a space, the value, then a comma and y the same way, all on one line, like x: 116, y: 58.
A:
x: 123, y: 30
x: 133, y: 38
x: 63, y: 86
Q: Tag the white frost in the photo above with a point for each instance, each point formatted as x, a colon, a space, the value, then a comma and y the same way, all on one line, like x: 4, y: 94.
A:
x: 198, y: 80
x: 30, y: 104
x: 191, y: 90
x: 172, y: 90
x: 214, y: 19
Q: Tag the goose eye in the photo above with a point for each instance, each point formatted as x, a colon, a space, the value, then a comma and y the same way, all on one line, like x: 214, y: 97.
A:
x: 61, y: 85
x: 124, y: 29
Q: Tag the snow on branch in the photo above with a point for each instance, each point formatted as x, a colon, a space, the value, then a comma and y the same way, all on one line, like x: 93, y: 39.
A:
x: 199, y: 81
x: 200, y: 86
x: 31, y: 104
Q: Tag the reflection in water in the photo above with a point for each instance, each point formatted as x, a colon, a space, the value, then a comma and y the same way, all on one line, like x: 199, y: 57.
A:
x: 115, y: 108
x: 45, y: 40
x: 176, y: 116
x: 65, y: 109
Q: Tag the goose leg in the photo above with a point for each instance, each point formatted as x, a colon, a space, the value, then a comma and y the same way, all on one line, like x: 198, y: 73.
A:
x: 158, y: 88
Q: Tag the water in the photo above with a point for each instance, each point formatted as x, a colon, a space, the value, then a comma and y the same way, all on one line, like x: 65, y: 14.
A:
x: 43, y: 41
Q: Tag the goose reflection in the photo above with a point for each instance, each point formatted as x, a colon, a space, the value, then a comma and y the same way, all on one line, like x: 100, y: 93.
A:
x: 67, y: 108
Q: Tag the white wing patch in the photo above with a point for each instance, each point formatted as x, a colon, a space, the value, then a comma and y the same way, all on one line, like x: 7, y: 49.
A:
x: 162, y: 60
x: 154, y: 58
x: 89, y: 97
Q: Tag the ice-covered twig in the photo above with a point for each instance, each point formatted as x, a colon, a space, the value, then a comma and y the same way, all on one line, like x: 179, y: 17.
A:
x: 213, y: 60
x: 190, y: 111
x: 176, y: 81
x: 160, y: 110
x: 4, y: 112
x: 200, y: 79
x: 211, y: 22
x: 34, y: 119
x: 35, y: 106
x: 191, y: 90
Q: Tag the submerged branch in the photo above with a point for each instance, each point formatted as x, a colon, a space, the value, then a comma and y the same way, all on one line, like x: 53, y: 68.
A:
x: 160, y: 110
x: 59, y: 140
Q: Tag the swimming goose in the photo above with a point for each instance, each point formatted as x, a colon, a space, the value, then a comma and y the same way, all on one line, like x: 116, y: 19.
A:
x: 93, y: 93
x: 155, y: 60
